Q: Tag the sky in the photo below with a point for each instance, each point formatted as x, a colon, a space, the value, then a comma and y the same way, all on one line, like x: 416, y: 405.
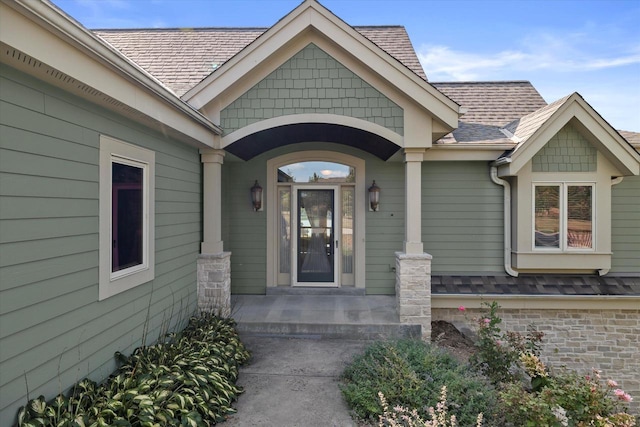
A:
x: 561, y: 46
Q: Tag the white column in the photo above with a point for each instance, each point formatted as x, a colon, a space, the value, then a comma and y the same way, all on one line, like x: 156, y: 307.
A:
x: 212, y: 194
x: 413, y: 200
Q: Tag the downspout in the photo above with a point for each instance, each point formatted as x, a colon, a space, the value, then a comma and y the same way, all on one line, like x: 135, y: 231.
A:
x: 507, y: 216
x: 614, y: 181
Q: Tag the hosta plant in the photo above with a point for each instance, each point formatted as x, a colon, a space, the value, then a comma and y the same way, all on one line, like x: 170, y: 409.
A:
x: 187, y: 379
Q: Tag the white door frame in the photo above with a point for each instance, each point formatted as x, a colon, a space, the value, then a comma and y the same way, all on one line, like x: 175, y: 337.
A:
x: 271, y: 206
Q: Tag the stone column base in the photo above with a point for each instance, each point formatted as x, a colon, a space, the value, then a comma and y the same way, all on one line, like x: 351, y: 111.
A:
x: 413, y: 290
x: 214, y: 283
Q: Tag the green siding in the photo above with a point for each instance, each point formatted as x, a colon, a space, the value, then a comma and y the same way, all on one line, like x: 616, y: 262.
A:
x: 567, y: 151
x: 625, y: 226
x: 385, y: 228
x: 312, y: 82
x: 53, y: 329
x: 462, y: 218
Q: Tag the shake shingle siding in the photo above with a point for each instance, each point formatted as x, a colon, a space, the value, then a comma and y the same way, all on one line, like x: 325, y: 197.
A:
x: 54, y: 331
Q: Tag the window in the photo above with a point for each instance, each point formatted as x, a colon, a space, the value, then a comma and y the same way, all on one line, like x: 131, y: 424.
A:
x: 126, y: 216
x: 563, y: 216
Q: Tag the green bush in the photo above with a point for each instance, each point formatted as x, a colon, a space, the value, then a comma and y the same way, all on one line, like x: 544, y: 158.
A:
x: 411, y: 373
x: 187, y: 379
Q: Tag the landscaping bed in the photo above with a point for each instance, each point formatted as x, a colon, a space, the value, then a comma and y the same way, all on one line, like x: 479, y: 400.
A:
x: 498, y: 380
x: 186, y: 379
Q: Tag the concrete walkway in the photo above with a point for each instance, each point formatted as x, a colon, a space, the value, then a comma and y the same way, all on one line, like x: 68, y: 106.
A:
x: 294, y: 382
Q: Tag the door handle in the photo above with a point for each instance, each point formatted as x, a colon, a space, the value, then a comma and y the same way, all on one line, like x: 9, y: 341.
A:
x: 336, y: 244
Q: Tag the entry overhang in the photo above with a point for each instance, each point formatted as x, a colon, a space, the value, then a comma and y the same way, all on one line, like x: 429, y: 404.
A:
x: 262, y: 141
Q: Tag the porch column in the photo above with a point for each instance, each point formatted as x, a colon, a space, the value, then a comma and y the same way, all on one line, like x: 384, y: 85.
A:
x: 214, y: 265
x: 413, y: 266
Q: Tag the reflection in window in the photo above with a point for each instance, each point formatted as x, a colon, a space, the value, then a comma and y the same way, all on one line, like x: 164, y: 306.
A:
x: 127, y: 216
x: 579, y: 221
x: 347, y: 229
x: 316, y: 172
x: 285, y: 229
x: 547, y: 216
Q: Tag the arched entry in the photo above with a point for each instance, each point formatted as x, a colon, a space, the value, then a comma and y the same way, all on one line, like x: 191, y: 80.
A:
x: 315, y: 225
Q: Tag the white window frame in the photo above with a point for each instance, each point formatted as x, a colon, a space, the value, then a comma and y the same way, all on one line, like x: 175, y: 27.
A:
x: 564, y: 194
x: 115, y: 151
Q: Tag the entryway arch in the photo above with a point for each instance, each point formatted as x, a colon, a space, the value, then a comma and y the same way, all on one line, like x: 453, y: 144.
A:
x: 275, y: 190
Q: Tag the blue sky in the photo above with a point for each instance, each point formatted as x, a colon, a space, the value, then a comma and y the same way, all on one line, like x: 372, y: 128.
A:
x: 591, y: 47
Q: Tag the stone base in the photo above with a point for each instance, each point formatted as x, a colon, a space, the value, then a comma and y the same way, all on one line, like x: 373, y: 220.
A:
x: 413, y: 290
x: 214, y: 283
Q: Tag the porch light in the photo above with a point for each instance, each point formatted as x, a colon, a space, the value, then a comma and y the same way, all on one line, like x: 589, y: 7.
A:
x: 374, y: 196
x: 256, y: 196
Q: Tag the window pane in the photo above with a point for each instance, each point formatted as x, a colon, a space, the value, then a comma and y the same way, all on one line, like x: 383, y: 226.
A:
x: 579, y: 221
x: 347, y: 229
x: 126, y: 218
x: 547, y: 216
x: 285, y: 229
x: 316, y: 172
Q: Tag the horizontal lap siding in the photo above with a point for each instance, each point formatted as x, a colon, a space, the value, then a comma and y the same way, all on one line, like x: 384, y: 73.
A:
x: 462, y: 218
x: 53, y: 329
x: 384, y: 228
x: 244, y: 230
x: 625, y: 226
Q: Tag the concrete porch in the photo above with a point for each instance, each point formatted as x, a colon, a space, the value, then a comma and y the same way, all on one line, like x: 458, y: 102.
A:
x: 323, y: 313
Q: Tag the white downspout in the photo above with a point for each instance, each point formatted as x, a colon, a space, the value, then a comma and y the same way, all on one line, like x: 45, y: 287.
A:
x: 614, y: 181
x: 507, y: 219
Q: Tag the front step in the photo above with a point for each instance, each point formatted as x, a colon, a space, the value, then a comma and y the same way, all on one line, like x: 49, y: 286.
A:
x: 289, y: 290
x: 345, y: 331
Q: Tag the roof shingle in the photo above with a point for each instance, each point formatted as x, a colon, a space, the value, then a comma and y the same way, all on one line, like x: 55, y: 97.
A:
x: 181, y: 58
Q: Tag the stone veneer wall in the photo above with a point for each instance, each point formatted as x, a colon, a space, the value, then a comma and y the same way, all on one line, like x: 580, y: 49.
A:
x: 579, y: 339
x: 413, y: 290
x: 312, y: 82
x: 214, y: 283
x: 567, y: 151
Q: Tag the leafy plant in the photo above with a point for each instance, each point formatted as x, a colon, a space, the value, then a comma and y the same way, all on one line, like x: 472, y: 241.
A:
x: 411, y: 373
x: 186, y: 379
x: 498, y: 352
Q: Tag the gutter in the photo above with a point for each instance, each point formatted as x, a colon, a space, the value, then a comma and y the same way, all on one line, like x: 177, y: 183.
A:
x: 63, y: 24
x: 507, y: 214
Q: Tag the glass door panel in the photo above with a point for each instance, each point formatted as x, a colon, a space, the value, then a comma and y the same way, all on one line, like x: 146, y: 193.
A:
x: 315, y: 237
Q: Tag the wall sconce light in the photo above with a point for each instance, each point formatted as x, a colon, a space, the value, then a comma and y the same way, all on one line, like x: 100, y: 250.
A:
x: 256, y: 196
x: 374, y: 196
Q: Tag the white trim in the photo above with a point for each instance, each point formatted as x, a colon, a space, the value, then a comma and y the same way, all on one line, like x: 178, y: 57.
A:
x: 112, y: 283
x: 270, y: 199
x: 564, y: 212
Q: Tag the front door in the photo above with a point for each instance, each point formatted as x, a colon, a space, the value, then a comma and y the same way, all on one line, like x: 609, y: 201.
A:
x: 316, y: 227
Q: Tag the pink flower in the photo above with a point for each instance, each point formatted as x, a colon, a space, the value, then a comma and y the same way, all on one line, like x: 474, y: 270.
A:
x: 461, y: 308
x: 612, y: 383
x: 622, y: 395
x: 486, y: 321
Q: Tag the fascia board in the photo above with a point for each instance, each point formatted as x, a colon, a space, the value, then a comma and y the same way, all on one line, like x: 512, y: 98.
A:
x: 40, y: 31
x: 468, y: 152
x: 319, y: 19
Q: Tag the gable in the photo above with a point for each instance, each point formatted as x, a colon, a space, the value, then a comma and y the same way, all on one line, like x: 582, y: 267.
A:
x: 566, y: 151
x: 312, y: 82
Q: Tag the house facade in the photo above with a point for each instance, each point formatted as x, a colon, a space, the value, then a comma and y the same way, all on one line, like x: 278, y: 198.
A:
x: 148, y: 172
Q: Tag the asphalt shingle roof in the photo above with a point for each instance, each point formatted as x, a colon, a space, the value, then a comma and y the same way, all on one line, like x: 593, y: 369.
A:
x: 543, y: 284
x: 181, y: 58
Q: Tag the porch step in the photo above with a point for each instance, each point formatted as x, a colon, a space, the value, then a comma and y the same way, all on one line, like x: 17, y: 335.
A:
x: 330, y: 330
x: 288, y: 290
x: 323, y: 315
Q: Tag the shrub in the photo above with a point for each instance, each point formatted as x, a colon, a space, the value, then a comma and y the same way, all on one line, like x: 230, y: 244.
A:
x: 411, y: 374
x: 186, y: 379
x: 497, y: 355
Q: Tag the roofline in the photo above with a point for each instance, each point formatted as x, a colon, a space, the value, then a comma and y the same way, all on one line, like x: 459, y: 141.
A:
x: 49, y: 16
x: 199, y: 96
